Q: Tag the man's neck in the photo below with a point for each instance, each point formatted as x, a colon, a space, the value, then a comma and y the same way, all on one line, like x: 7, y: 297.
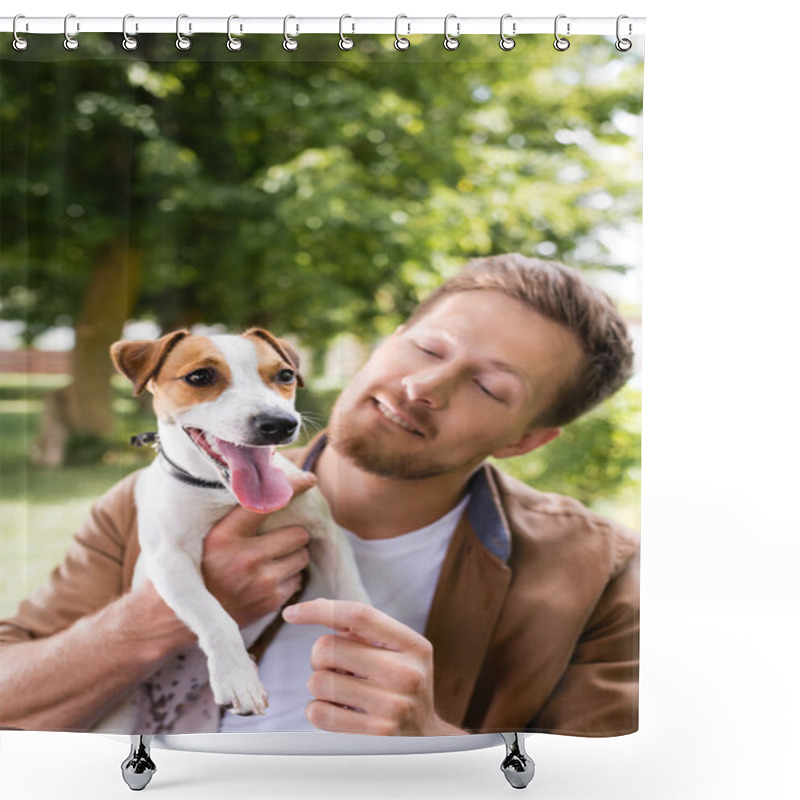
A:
x: 374, y: 507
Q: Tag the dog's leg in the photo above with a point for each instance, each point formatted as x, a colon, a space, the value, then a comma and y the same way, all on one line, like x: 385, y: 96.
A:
x: 329, y: 550
x: 332, y: 555
x: 233, y: 675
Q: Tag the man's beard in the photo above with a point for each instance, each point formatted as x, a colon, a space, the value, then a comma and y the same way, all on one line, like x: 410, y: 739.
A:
x: 365, y: 451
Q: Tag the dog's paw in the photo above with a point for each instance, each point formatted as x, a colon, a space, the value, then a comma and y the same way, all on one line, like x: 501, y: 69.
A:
x: 240, y: 690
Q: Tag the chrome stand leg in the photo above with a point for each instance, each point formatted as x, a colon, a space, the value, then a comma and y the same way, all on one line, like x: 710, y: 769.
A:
x: 138, y: 768
x: 518, y: 766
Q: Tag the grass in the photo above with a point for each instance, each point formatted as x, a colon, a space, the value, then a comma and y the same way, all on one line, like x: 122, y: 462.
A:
x: 41, y: 508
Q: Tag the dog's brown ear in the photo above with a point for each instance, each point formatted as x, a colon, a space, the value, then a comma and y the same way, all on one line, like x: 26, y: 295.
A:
x: 282, y: 347
x: 140, y: 360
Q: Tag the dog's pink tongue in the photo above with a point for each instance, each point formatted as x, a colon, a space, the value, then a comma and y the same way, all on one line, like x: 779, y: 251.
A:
x: 257, y: 483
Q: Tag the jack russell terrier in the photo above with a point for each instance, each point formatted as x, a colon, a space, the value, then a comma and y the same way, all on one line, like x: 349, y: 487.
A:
x: 223, y: 404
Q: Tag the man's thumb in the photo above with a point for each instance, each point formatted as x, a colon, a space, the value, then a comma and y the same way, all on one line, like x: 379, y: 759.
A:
x: 301, y: 482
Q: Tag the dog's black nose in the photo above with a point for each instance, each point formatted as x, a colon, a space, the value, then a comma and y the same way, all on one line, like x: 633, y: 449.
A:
x: 273, y: 428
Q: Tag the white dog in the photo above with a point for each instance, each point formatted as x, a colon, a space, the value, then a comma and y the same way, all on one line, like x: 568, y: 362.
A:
x: 223, y: 403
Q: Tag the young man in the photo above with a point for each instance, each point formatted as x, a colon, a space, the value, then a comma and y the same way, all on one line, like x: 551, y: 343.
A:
x: 496, y: 607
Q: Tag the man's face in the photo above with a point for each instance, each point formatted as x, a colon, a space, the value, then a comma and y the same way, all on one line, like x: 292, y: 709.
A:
x: 461, y: 383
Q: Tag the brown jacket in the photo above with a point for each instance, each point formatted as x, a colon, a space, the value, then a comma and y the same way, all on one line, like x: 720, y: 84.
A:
x: 534, y: 622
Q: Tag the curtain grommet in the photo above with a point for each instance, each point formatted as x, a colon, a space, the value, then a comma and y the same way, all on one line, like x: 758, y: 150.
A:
x: 182, y: 42
x: 623, y: 45
x: 234, y: 44
x: 289, y: 43
x: 400, y: 42
x: 506, y: 42
x: 19, y: 43
x: 561, y: 44
x: 345, y: 42
x: 70, y: 42
x: 451, y: 42
x: 128, y: 42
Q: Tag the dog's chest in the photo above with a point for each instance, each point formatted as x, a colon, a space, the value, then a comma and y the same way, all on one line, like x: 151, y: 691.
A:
x: 170, y: 513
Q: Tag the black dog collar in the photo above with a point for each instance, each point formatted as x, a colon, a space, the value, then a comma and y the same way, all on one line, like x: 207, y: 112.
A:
x: 179, y: 473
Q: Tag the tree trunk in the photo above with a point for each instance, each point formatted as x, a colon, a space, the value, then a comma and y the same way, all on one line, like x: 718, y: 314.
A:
x: 83, y: 409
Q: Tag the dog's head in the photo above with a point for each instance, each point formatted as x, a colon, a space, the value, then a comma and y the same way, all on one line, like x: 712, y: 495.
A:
x: 233, y: 398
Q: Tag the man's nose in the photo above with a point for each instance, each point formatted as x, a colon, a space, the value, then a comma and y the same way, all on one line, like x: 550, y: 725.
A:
x: 431, y: 387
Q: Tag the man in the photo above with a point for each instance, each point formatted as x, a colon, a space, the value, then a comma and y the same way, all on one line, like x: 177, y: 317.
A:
x: 497, y: 608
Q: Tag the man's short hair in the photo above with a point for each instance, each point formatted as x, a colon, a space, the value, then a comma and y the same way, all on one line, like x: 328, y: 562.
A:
x: 563, y: 295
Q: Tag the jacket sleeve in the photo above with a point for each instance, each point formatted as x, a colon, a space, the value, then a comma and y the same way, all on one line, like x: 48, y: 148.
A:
x: 89, y: 577
x: 598, y: 693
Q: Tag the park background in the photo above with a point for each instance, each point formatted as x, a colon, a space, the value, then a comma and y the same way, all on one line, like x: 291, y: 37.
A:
x: 720, y: 600
x: 318, y: 194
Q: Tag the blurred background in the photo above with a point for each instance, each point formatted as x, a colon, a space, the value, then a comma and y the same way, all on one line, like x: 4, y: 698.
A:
x: 319, y: 194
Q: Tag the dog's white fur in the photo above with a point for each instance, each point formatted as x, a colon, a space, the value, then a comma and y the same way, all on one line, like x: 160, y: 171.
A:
x: 174, y: 518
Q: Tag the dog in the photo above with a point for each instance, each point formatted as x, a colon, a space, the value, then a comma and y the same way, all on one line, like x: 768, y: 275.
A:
x: 223, y: 403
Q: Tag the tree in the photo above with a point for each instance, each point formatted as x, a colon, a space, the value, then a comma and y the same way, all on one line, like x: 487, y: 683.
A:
x: 310, y: 192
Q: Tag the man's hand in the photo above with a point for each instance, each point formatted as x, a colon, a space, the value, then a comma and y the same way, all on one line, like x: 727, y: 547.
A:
x: 374, y: 676
x: 253, y: 575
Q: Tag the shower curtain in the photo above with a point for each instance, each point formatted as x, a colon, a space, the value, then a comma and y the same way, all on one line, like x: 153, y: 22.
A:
x: 317, y: 191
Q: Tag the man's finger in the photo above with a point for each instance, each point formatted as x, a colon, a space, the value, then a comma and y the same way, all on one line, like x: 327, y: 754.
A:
x: 344, y: 690
x: 337, y: 719
x: 301, y: 481
x: 239, y: 523
x: 342, y: 654
x: 281, y: 542
x: 291, y: 564
x: 358, y: 620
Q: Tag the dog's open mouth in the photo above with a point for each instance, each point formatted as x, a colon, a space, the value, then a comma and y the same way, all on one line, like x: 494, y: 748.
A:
x: 249, y: 471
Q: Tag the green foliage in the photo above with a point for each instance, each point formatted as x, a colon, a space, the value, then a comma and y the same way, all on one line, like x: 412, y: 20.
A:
x: 93, y: 466
x: 313, y: 192
x: 596, y: 458
x: 86, y: 449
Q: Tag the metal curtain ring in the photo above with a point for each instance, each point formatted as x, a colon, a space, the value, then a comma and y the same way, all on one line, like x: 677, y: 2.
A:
x: 623, y: 45
x: 19, y: 43
x: 233, y: 44
x: 451, y: 42
x: 345, y: 42
x: 400, y: 42
x: 128, y: 42
x: 70, y: 42
x: 560, y: 43
x: 506, y: 42
x: 182, y: 42
x: 288, y: 42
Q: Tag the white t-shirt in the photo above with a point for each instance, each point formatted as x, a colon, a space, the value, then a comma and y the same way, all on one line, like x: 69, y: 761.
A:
x: 400, y: 576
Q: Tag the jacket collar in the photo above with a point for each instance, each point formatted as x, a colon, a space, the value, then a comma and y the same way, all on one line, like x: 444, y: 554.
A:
x: 470, y: 594
x: 484, y: 510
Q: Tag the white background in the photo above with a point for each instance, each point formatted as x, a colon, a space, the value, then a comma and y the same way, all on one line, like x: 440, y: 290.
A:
x: 719, y: 690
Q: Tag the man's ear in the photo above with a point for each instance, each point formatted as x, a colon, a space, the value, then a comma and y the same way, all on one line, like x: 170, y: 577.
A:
x: 139, y: 361
x: 536, y: 437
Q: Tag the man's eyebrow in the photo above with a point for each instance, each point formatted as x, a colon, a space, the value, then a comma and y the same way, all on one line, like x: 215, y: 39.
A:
x: 504, y: 366
x: 496, y: 363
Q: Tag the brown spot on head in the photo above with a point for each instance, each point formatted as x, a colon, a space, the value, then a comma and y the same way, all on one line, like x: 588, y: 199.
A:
x: 141, y: 360
x: 277, y: 363
x: 281, y: 347
x: 195, y: 371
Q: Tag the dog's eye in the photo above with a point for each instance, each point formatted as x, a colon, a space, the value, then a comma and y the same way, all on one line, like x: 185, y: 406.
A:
x: 201, y: 377
x: 285, y: 376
